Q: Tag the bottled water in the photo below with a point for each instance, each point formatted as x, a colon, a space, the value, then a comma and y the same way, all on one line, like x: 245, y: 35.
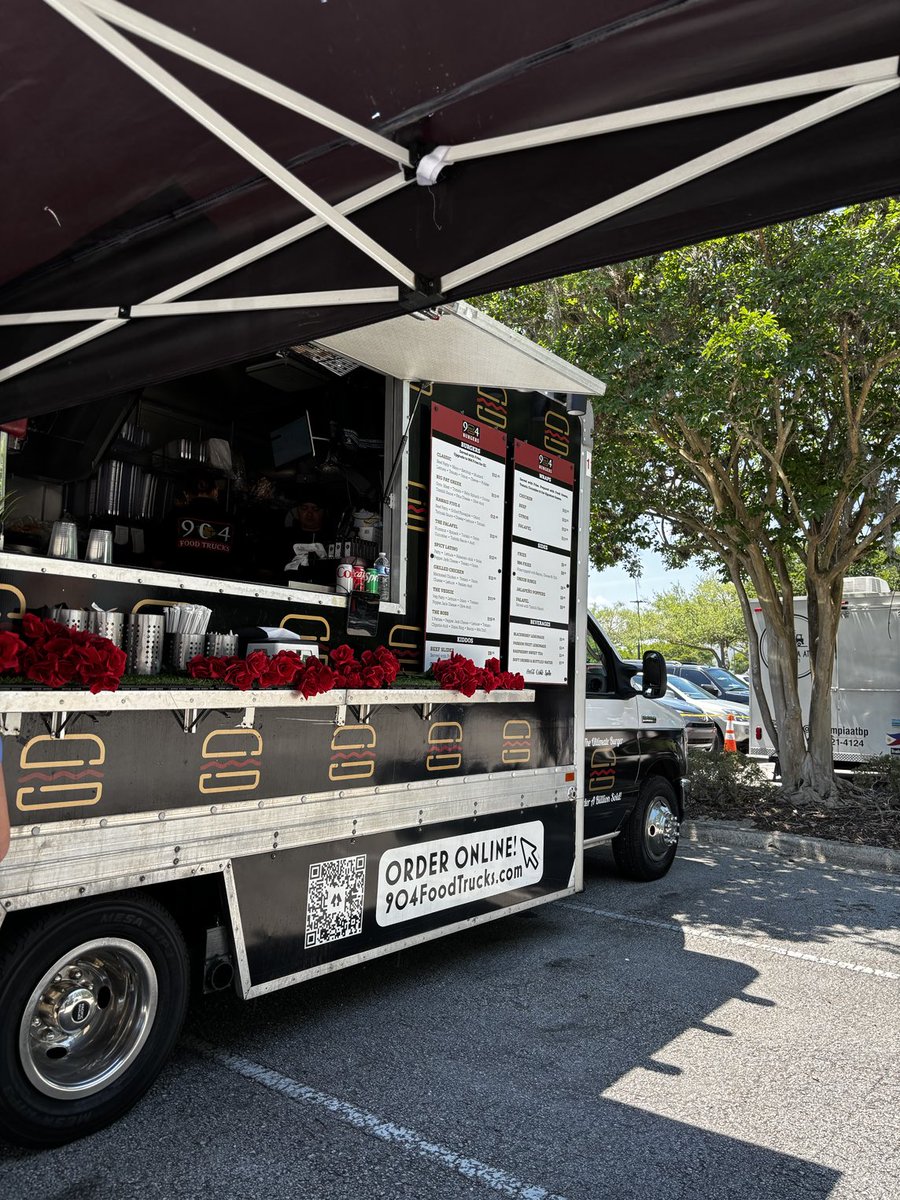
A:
x: 383, y: 568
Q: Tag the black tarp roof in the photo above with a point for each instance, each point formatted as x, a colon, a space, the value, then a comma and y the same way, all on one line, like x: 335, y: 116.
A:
x: 111, y: 194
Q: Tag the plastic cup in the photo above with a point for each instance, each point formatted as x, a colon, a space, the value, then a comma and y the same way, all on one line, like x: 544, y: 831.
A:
x: 63, y: 540
x: 99, y: 546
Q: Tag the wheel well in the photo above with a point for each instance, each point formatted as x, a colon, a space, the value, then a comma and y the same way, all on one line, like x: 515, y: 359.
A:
x: 669, y: 770
x: 195, y: 904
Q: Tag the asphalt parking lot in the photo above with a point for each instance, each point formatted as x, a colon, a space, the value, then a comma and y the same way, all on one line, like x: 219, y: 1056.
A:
x: 731, y: 1031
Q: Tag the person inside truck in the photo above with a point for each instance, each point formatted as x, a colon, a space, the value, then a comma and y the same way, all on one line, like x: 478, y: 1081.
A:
x: 305, y: 544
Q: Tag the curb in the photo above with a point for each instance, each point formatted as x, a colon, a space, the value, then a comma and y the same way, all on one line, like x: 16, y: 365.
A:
x: 734, y: 835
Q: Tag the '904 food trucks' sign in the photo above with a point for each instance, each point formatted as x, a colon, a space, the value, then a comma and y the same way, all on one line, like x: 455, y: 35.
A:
x: 540, y: 585
x: 465, y: 563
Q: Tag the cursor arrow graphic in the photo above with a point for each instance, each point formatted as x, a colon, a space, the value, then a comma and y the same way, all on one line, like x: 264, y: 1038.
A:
x: 529, y: 852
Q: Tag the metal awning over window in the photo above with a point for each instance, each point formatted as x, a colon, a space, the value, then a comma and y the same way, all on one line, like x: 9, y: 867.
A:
x: 189, y: 183
x: 459, y: 344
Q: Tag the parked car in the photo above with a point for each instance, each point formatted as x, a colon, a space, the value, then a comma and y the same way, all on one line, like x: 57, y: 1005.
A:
x: 716, y: 710
x: 701, y: 730
x: 715, y: 680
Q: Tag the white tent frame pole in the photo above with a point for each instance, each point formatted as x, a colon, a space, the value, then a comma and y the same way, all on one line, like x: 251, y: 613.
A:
x: 144, y: 66
x: 804, y: 118
x: 229, y: 304
x: 272, y: 245
x: 876, y: 71
x: 177, y: 43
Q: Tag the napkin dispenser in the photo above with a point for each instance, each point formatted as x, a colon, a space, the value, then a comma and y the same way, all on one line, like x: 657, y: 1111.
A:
x: 271, y: 641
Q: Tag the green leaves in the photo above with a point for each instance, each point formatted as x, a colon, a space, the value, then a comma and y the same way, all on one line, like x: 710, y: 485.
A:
x: 753, y: 383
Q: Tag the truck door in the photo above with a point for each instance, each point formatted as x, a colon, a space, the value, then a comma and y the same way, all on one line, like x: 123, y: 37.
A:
x: 612, y: 742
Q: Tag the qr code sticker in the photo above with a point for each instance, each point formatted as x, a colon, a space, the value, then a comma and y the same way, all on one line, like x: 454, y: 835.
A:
x: 334, y: 901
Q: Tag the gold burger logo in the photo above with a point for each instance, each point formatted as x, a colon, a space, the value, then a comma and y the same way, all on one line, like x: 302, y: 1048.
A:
x: 230, y: 761
x: 352, y: 753
x: 516, y: 743
x: 491, y: 407
x: 556, y: 432
x: 60, y: 773
x: 602, y: 773
x: 444, y: 746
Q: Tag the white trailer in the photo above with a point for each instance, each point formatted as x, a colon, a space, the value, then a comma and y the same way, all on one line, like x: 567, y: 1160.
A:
x: 865, y: 690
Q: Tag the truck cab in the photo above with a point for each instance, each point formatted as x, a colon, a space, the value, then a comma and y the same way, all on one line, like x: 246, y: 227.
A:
x: 636, y: 784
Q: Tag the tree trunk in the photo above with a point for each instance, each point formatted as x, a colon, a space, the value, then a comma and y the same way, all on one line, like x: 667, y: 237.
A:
x: 824, y: 608
x: 787, y: 714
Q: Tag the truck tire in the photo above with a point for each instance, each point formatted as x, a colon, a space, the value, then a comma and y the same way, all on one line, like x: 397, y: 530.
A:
x: 93, y: 996
x: 646, y: 846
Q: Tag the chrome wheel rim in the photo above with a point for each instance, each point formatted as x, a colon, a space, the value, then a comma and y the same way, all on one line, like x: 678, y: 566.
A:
x: 661, y: 828
x: 88, y: 1017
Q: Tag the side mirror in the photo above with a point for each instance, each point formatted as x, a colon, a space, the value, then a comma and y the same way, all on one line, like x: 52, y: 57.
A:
x: 711, y: 688
x: 654, y: 668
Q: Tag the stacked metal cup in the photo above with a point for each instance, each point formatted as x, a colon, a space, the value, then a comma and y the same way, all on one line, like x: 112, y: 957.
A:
x: 144, y: 643
x: 72, y: 618
x: 221, y: 645
x: 185, y: 646
x: 110, y: 625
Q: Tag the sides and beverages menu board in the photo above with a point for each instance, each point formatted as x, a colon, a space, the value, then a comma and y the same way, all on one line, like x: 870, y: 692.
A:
x: 540, y: 590
x: 465, y: 564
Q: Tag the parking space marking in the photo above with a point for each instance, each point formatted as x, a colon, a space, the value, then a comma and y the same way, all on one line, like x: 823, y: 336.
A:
x: 699, y: 931
x: 410, y: 1141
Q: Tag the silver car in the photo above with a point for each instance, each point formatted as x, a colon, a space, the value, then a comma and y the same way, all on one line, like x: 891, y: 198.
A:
x: 717, y: 710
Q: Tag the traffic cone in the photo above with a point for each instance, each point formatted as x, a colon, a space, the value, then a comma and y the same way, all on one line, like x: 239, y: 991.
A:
x: 730, y: 743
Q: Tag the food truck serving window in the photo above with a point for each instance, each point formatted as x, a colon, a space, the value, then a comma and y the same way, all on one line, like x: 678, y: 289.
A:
x: 264, y: 475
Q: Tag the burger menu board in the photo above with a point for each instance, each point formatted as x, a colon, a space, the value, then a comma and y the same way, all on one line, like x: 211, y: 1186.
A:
x: 540, y: 587
x: 465, y: 563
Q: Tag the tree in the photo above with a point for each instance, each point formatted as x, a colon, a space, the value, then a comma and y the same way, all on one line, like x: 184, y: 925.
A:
x: 697, y: 626
x: 701, y: 626
x: 752, y: 419
x: 622, y: 626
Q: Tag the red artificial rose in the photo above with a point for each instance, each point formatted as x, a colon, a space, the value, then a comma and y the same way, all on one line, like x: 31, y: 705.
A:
x: 52, y: 671
x: 351, y: 679
x: 341, y: 655
x: 492, y: 666
x: 324, y: 676
x: 11, y: 647
x: 34, y: 629
x: 241, y: 675
x: 219, y: 664
x: 372, y: 677
x: 283, y: 668
x: 388, y: 662
x: 200, y: 667
x: 257, y: 664
x: 487, y: 681
x: 448, y: 678
x: 315, y: 677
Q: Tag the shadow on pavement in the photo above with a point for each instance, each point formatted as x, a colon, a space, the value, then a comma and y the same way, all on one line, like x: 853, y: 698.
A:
x: 498, y: 1043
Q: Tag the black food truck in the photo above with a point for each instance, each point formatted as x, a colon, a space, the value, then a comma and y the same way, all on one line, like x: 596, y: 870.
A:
x: 249, y: 777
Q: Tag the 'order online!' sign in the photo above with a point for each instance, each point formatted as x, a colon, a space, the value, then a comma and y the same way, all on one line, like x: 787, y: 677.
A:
x: 414, y: 881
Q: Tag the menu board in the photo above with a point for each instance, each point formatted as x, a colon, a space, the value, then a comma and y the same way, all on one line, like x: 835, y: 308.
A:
x: 541, y: 564
x: 465, y: 562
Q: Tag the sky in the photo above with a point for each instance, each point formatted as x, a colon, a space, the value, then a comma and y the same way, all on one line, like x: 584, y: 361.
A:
x: 615, y: 586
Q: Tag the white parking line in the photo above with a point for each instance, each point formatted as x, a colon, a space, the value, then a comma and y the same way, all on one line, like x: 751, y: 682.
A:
x: 408, y: 1139
x: 699, y: 931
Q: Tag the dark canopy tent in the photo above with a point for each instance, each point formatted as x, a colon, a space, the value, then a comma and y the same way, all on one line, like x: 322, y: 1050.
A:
x: 182, y: 180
